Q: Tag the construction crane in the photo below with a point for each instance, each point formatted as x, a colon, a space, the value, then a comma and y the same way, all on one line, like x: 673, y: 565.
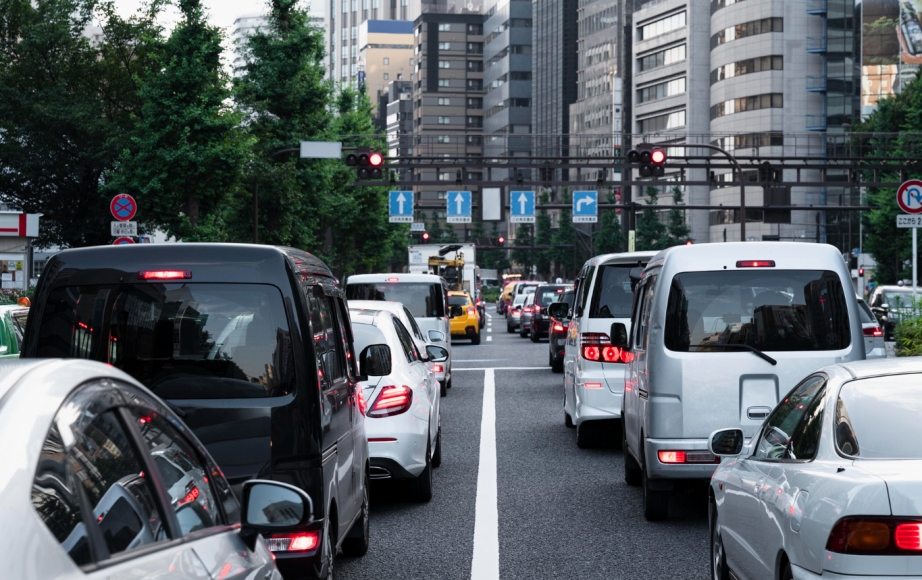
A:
x: 452, y: 269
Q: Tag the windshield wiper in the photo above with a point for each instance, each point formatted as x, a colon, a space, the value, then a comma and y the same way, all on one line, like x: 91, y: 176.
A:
x: 751, y: 349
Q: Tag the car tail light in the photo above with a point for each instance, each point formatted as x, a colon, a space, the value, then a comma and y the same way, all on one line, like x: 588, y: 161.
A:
x: 558, y: 327
x: 360, y: 398
x: 393, y: 279
x: 164, y: 274
x: 671, y: 456
x: 528, y: 309
x: 592, y: 385
x: 537, y: 309
x: 471, y: 311
x: 392, y: 401
x: 597, y: 347
x: 876, y: 536
x: 299, y: 542
x: 874, y: 331
x: 438, y: 369
x: 755, y: 264
x: 676, y: 457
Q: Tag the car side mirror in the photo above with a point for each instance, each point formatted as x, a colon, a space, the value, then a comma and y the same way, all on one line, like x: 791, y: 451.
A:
x: 436, y: 336
x: 558, y: 309
x: 726, y: 442
x: 375, y: 360
x: 273, y: 506
x: 618, y: 334
x: 437, y: 353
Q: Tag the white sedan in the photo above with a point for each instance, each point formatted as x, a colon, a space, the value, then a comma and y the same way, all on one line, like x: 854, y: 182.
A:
x: 104, y: 481
x: 831, y: 487
x: 401, y: 399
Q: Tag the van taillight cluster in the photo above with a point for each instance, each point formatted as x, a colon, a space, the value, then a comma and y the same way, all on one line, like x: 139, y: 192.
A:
x: 876, y: 536
x: 597, y: 347
x: 392, y: 401
x: 299, y: 542
x: 755, y: 264
x: 680, y: 457
x: 558, y: 327
x: 164, y: 275
x: 874, y: 331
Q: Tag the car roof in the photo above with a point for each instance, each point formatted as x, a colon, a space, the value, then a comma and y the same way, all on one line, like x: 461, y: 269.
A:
x: 861, y: 369
x: 713, y: 257
x: 232, y: 262
x: 394, y: 278
x: 458, y: 293
x: 621, y: 258
x: 377, y: 305
x: 368, y: 317
x: 894, y: 287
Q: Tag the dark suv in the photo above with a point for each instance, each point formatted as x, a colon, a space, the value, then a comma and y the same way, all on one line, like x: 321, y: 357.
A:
x: 251, y: 346
x: 544, y: 297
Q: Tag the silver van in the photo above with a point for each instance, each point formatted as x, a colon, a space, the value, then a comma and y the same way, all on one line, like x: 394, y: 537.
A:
x: 425, y: 295
x: 593, y: 379
x: 719, y: 333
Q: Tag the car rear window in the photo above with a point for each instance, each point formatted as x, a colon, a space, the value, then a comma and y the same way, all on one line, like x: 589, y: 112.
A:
x: 864, y: 311
x: 424, y: 300
x: 458, y: 301
x: 772, y: 310
x: 183, y: 341
x: 548, y: 295
x: 613, y: 294
x: 366, y: 335
x: 878, y: 418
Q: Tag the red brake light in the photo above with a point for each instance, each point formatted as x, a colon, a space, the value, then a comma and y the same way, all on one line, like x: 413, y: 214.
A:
x: 591, y: 352
x: 671, y: 456
x: 164, y: 274
x: 877, y: 536
x: 611, y: 353
x: 537, y: 308
x: 874, y: 331
x: 755, y: 264
x: 908, y: 536
x: 300, y: 542
x: 392, y: 401
x: 529, y: 309
x: 438, y: 369
x: 393, y: 279
x: 593, y: 385
x: 470, y: 311
x: 558, y: 327
x: 191, y: 496
x: 597, y: 347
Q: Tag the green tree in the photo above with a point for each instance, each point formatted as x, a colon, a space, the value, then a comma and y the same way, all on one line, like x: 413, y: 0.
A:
x: 68, y: 106
x: 522, y: 252
x: 564, y: 242
x: 610, y: 238
x: 543, y: 237
x: 494, y: 259
x: 676, y: 228
x: 651, y: 233
x: 188, y: 148
x: 436, y: 232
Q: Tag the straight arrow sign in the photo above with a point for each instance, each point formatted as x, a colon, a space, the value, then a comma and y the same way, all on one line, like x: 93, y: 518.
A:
x: 522, y: 207
x: 458, y: 207
x: 400, y: 205
x: 459, y: 199
x: 400, y: 201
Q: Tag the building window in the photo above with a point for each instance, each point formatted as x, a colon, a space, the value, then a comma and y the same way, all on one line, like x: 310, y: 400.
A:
x: 444, y: 138
x: 444, y: 101
x: 661, y: 26
x: 444, y: 27
x: 753, y: 103
x: 474, y: 103
x: 444, y: 120
x: 752, y: 28
x: 345, y: 6
x: 661, y: 90
x: 444, y: 46
x: 354, y: 33
x: 475, y: 65
x: 374, y: 4
x: 443, y: 83
x: 444, y: 64
x: 718, y: 4
x: 671, y: 120
x: 750, y: 141
x: 475, y: 48
x: 475, y: 29
x: 387, y: 60
x: 386, y: 77
x: 399, y: 76
x: 744, y: 67
x: 661, y: 58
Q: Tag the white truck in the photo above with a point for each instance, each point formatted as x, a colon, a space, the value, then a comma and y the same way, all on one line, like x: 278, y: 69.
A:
x: 419, y: 261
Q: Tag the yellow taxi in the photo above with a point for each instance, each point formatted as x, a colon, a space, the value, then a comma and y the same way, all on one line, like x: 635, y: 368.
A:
x: 465, y: 321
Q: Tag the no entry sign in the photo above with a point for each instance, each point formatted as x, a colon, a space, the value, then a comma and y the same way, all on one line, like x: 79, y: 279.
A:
x: 122, y: 242
x: 123, y: 207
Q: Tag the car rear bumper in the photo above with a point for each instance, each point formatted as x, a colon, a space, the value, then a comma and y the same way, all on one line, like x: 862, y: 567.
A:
x: 541, y: 326
x: 804, y: 574
x: 595, y: 404
x: 408, y: 452
x: 658, y: 470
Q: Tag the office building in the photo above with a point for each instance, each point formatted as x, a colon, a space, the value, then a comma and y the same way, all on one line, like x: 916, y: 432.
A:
x: 398, y: 118
x: 385, y: 50
x: 554, y: 66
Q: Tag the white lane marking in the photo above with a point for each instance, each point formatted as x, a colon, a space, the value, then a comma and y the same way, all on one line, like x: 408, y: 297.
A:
x: 485, y: 563
x: 497, y: 368
x: 489, y: 339
x: 489, y: 329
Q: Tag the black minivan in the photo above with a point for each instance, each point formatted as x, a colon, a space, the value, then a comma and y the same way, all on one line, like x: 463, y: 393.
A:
x: 251, y: 345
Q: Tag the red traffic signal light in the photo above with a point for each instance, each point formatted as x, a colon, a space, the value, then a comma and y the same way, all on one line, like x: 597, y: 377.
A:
x: 860, y: 272
x: 425, y: 236
x: 650, y: 159
x: 375, y: 159
x: 657, y: 157
x: 368, y: 162
x: 501, y: 240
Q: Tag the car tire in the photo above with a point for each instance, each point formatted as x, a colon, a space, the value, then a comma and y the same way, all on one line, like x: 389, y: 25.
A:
x: 586, y: 435
x: 523, y: 332
x: 719, y: 570
x: 534, y: 336
x: 655, y: 502
x: 448, y: 384
x: 787, y: 573
x: 443, y: 388
x: 358, y: 546
x: 437, y: 455
x: 557, y: 365
x: 475, y: 340
x: 510, y: 329
x: 329, y: 550
x: 422, y: 488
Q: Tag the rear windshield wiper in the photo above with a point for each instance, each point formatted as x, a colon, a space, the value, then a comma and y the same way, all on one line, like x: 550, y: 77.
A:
x: 751, y: 349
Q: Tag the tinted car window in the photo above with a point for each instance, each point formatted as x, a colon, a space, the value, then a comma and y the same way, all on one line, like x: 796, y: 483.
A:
x: 407, y: 342
x: 458, y: 300
x: 613, y: 293
x: 774, y: 310
x: 779, y: 428
x: 424, y: 300
x: 897, y: 299
x: 54, y: 497
x: 878, y: 418
x: 366, y: 335
x: 183, y: 473
x: 864, y: 311
x: 233, y: 339
x: 548, y: 294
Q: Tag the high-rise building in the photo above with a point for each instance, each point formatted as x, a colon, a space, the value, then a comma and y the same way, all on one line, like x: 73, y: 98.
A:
x: 507, y: 77
x: 385, y: 51
x: 398, y: 119
x: 554, y: 65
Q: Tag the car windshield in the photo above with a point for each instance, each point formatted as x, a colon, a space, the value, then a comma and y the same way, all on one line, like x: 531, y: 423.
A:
x: 897, y: 298
x: 613, y: 293
x: 422, y: 298
x: 548, y: 295
x: 233, y: 340
x: 878, y: 418
x: 520, y: 299
x: 365, y: 335
x: 770, y: 310
x: 458, y: 301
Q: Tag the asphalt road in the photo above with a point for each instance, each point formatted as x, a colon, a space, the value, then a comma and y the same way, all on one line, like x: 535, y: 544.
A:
x: 559, y: 511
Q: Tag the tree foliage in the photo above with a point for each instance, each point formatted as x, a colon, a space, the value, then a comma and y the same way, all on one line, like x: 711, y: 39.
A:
x: 610, y: 238
x: 564, y: 241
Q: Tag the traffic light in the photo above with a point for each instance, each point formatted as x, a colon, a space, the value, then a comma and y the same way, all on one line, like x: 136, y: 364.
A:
x: 652, y: 161
x: 501, y: 240
x: 425, y: 236
x: 369, y: 162
x: 861, y: 272
x: 767, y: 173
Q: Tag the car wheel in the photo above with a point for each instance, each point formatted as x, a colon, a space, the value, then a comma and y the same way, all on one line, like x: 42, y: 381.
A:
x: 510, y: 329
x: 422, y: 491
x: 787, y: 573
x: 437, y: 456
x: 632, y: 475
x: 719, y: 570
x: 329, y: 551
x: 357, y: 545
x: 534, y: 336
x: 448, y: 384
x: 655, y: 502
x: 557, y: 365
x: 475, y: 340
x: 443, y: 388
x: 586, y: 435
x: 523, y: 332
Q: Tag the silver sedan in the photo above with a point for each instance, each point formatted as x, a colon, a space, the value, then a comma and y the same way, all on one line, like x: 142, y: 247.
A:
x: 104, y: 481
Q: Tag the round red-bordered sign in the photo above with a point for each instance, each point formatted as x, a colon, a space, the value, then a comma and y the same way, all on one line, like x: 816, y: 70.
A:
x: 909, y: 196
x: 122, y: 242
x: 123, y: 207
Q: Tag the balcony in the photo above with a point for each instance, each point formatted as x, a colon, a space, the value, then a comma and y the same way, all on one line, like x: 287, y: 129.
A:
x: 816, y: 44
x: 816, y: 84
x: 815, y: 122
x: 816, y: 6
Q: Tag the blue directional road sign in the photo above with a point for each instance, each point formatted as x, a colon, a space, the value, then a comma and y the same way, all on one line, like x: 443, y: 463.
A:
x: 585, y: 207
x: 458, y: 204
x: 522, y: 207
x: 400, y: 204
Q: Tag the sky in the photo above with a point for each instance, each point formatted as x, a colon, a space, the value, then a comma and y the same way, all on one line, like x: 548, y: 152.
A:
x: 220, y: 12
